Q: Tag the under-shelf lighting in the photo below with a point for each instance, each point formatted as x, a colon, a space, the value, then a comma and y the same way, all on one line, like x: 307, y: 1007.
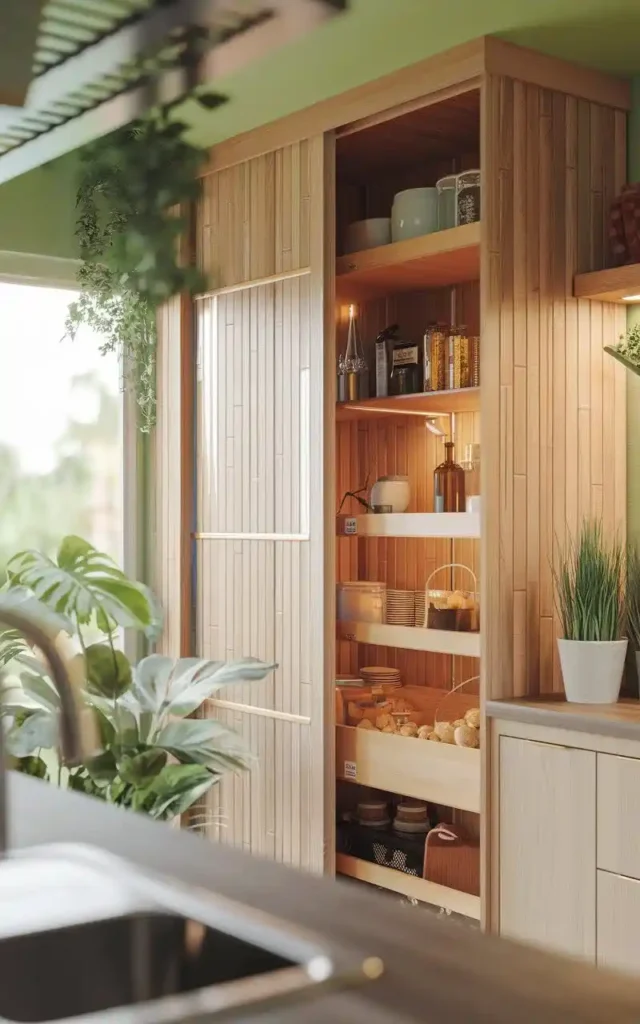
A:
x: 431, y: 425
x: 631, y: 298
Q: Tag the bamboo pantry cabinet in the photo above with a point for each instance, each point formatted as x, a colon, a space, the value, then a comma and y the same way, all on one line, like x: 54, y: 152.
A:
x: 252, y: 453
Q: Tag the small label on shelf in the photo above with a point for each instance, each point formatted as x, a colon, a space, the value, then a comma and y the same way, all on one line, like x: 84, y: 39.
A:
x: 350, y: 526
x: 350, y: 770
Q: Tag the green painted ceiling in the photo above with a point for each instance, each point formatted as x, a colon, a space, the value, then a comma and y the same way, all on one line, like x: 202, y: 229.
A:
x: 378, y: 36
x: 373, y: 38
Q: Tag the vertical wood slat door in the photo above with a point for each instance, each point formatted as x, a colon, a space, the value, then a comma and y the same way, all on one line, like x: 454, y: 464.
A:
x: 260, y: 488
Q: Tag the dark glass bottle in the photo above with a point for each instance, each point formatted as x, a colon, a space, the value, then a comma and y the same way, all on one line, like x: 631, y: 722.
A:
x: 405, y: 363
x: 448, y: 484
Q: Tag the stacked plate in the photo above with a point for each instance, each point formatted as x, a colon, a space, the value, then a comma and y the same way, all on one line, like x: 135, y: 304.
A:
x: 421, y: 607
x: 380, y: 675
x: 400, y: 607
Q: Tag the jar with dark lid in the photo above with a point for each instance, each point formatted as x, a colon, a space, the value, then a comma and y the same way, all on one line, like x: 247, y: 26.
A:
x: 405, y: 363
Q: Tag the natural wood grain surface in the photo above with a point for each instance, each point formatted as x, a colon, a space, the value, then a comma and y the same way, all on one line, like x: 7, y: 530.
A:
x: 547, y: 846
x: 618, y: 909
x: 553, y: 407
x: 608, y: 285
x: 409, y: 885
x: 261, y: 383
x: 619, y: 815
x: 438, y: 772
x: 430, y: 261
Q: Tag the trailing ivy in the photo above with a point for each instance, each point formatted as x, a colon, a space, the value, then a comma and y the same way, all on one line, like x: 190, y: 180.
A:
x: 132, y: 184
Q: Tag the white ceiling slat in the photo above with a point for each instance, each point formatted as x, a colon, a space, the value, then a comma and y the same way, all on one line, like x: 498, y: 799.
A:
x: 100, y: 86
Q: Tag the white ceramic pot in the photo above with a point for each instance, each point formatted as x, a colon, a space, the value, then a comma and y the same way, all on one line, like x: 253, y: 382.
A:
x: 393, y: 491
x: 414, y: 212
x: 592, y: 670
x: 367, y: 234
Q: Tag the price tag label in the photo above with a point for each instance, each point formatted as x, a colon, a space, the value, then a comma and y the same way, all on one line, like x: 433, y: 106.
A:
x: 350, y: 770
x: 350, y: 526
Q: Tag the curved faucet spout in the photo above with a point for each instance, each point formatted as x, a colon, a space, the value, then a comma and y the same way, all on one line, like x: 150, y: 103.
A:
x: 77, y: 739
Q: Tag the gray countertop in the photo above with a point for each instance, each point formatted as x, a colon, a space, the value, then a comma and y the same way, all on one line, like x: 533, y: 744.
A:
x: 437, y: 971
x: 620, y: 721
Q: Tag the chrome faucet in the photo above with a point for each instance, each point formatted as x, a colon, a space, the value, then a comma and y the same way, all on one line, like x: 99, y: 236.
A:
x: 77, y: 727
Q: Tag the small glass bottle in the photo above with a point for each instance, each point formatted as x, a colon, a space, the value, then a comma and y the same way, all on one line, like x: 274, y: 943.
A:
x: 448, y: 484
x: 342, y: 379
x: 356, y: 369
x: 471, y: 467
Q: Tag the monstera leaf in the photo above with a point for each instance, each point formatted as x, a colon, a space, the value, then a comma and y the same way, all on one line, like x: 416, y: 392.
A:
x: 178, y: 688
x: 82, y: 583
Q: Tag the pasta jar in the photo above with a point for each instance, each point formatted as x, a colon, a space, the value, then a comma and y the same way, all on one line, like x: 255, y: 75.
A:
x: 468, y: 197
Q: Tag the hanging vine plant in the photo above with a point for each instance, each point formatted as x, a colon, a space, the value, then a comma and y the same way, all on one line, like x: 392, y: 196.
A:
x: 130, y: 188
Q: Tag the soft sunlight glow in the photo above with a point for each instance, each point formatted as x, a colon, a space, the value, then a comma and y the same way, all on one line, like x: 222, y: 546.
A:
x: 37, y: 366
x: 631, y: 298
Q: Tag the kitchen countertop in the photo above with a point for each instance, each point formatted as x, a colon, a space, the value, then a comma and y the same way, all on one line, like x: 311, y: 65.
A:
x: 620, y: 721
x: 435, y: 970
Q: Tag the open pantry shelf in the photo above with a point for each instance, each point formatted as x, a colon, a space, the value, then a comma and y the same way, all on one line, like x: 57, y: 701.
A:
x: 440, y: 773
x: 429, y: 403
x: 455, y: 525
x: 615, y: 285
x: 411, y: 638
x: 409, y: 885
x: 431, y: 261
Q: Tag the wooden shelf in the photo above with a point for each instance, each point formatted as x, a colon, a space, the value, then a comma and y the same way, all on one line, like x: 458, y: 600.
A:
x: 438, y: 772
x: 425, y: 403
x: 409, y: 885
x: 430, y: 261
x: 411, y: 524
x: 411, y: 638
x: 609, y: 285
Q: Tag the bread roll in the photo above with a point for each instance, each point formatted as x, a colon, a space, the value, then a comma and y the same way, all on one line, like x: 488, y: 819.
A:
x: 444, y: 731
x: 409, y: 729
x: 384, y: 720
x: 472, y: 718
x: 424, y: 732
x: 465, y: 736
x: 366, y: 724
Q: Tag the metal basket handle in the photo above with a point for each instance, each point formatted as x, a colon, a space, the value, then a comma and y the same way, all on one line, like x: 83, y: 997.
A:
x: 464, y: 682
x: 451, y: 565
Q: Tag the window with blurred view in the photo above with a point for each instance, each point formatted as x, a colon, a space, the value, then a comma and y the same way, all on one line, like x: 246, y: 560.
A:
x: 61, y: 447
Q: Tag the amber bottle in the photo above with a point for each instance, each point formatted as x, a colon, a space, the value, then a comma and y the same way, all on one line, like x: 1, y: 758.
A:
x: 448, y: 484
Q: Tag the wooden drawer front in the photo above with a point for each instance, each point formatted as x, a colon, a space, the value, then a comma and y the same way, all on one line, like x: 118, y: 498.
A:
x: 618, y: 928
x: 619, y: 814
x: 547, y: 846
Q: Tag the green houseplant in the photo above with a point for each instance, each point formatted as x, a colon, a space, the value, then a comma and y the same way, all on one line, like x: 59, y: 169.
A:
x: 633, y: 601
x: 590, y: 598
x: 154, y: 758
x: 627, y: 350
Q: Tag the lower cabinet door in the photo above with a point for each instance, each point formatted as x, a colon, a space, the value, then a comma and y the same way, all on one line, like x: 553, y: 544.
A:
x: 618, y: 943
x: 547, y: 846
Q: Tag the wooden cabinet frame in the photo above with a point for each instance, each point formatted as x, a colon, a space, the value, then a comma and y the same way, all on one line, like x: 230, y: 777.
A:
x: 553, y: 150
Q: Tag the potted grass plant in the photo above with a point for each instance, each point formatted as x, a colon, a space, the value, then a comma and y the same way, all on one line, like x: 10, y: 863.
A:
x: 590, y: 597
x: 633, y: 601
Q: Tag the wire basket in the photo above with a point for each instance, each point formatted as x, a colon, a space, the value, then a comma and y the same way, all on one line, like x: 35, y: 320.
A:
x: 454, y: 610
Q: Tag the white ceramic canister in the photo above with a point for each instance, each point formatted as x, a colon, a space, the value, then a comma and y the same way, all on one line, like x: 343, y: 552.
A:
x: 393, y: 491
x: 414, y: 213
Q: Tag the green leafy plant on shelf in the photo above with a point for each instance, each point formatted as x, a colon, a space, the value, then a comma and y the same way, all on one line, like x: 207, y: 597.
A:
x: 154, y: 758
x: 590, y: 586
x: 133, y: 189
x: 627, y: 351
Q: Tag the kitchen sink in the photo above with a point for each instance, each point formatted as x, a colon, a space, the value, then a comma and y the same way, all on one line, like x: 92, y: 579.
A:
x: 89, y: 968
x: 87, y: 937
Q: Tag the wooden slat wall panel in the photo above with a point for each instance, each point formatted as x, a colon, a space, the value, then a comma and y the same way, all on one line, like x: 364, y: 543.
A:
x: 260, y: 388
x: 553, y: 405
x: 374, y: 448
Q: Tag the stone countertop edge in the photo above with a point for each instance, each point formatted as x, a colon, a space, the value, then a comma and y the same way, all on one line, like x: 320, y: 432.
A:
x: 599, y: 720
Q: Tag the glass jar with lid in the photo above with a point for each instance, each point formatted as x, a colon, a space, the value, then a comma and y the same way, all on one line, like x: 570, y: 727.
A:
x: 446, y: 201
x: 468, y: 197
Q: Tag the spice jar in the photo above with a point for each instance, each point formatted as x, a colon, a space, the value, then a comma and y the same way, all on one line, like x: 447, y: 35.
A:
x: 434, y: 357
x: 468, y: 197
